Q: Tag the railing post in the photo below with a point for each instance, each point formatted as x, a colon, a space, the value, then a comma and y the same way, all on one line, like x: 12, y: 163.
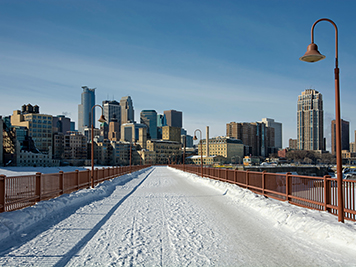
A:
x: 96, y: 175
x: 247, y: 178
x: 287, y: 186
x: 61, y: 183
x: 327, y: 190
x: 2, y: 193
x: 263, y: 182
x: 77, y: 178
x: 38, y: 192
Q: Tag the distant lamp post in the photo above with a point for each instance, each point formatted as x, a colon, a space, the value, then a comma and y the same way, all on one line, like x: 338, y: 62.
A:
x: 184, y: 143
x: 201, y: 149
x: 101, y: 119
x: 130, y: 156
x: 313, y: 55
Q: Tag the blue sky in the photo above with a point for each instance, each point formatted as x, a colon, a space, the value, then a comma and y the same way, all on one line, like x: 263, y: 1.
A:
x: 217, y: 61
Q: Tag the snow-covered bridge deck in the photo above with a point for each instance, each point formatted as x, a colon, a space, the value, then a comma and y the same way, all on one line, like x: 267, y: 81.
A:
x: 163, y: 217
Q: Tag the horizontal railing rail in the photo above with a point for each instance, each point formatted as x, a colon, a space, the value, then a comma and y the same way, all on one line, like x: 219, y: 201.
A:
x: 319, y: 193
x: 17, y: 192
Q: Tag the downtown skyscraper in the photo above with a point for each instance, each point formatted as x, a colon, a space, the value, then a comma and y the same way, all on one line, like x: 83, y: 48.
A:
x: 149, y: 118
x: 111, y: 108
x: 85, y: 109
x: 310, y: 121
x: 127, y: 110
x: 173, y: 118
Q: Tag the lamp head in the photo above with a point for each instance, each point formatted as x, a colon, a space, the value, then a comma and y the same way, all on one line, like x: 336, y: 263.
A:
x: 195, y: 137
x: 312, y: 54
x: 102, y: 119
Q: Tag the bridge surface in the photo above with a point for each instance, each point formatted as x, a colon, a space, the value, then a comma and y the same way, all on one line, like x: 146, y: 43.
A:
x: 163, y: 218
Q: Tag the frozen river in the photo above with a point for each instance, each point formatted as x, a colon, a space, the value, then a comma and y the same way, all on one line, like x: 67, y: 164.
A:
x: 163, y: 217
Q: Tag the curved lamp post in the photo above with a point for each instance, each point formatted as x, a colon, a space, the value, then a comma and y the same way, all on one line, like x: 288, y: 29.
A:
x: 101, y: 119
x: 313, y: 55
x: 201, y: 149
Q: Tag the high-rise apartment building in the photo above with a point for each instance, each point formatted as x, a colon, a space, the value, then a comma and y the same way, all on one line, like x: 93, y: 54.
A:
x: 277, y: 126
x: 173, y: 118
x: 111, y: 107
x: 85, y: 108
x: 310, y: 121
x: 149, y: 118
x: 257, y: 137
x: 345, y: 136
x: 127, y: 110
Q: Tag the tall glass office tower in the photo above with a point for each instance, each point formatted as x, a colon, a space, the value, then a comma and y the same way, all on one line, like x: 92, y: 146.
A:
x: 84, y: 109
x: 149, y: 118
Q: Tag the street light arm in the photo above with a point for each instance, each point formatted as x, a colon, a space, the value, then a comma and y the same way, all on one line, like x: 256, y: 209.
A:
x: 92, y: 117
x: 336, y: 37
x: 199, y: 132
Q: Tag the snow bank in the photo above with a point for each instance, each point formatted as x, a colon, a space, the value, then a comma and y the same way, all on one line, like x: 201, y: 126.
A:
x: 19, y: 220
x: 306, y: 223
x: 18, y: 171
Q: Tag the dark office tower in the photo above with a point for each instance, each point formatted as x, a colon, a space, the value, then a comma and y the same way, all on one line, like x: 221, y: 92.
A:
x: 61, y: 124
x: 127, y: 110
x: 310, y: 121
x: 114, y: 129
x: 149, y: 118
x: 173, y: 118
x: 345, y: 136
x: 85, y: 108
x: 111, y: 107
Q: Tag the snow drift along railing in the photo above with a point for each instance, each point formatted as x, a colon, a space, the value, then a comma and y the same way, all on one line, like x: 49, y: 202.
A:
x: 318, y: 193
x: 17, y: 192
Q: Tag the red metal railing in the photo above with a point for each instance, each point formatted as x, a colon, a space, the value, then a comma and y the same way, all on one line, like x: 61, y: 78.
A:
x: 17, y: 192
x: 318, y: 193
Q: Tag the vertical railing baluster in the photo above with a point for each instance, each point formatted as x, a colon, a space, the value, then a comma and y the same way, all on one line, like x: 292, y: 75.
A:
x: 38, y: 192
x: 2, y: 193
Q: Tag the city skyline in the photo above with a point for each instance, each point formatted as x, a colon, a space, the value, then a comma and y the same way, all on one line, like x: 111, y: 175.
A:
x: 216, y: 62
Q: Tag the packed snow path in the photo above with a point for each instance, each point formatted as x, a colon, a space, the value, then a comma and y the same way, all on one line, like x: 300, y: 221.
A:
x: 161, y: 217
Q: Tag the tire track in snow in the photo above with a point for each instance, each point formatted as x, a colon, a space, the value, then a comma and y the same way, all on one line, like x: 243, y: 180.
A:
x: 184, y: 238
x: 70, y: 254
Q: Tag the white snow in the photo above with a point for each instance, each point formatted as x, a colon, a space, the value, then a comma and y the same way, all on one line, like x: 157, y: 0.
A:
x: 164, y: 217
x: 18, y: 171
